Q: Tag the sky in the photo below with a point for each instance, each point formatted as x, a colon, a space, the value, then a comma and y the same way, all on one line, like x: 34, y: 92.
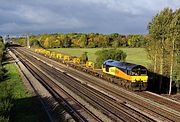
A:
x: 80, y: 16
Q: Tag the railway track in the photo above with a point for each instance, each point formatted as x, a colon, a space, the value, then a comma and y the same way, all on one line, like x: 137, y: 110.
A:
x: 161, y: 100
x: 54, y: 89
x: 144, y: 105
x: 155, y: 106
x: 29, y: 80
x: 117, y: 111
x: 159, y: 114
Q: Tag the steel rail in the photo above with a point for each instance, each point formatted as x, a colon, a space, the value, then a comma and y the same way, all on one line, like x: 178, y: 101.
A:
x: 50, y: 87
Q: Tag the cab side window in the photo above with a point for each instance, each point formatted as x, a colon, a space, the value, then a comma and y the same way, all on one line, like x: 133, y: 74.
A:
x: 107, y: 68
x: 128, y: 72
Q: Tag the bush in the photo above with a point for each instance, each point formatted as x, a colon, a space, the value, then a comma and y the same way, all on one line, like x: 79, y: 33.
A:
x: 1, y: 49
x: 36, y: 43
x: 6, y: 100
x: 84, y: 57
x: 105, y: 54
x: 1, y: 72
x: 1, y: 56
x: 3, y: 119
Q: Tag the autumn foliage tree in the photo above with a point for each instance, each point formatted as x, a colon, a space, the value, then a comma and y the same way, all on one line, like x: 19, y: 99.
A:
x: 85, y: 40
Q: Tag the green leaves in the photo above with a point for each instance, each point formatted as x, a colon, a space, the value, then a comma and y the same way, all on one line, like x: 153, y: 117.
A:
x: 164, y: 33
x: 1, y: 56
x: 85, y: 40
x: 105, y: 54
x: 84, y: 57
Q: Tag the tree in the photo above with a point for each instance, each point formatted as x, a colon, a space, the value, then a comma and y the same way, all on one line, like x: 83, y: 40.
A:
x: 164, y: 34
x: 22, y: 41
x: 135, y: 41
x: 46, y: 43
x: 66, y: 42
x: 1, y: 48
x: 83, y: 42
x: 84, y: 57
x: 105, y: 54
x: 1, y: 56
x: 36, y: 43
x: 174, y: 36
x: 61, y: 38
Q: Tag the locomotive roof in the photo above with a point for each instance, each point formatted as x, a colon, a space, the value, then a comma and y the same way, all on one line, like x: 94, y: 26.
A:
x: 122, y: 65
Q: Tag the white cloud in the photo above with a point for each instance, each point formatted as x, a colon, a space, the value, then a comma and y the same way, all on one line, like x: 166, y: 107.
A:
x: 121, y: 16
x: 39, y: 19
x: 135, y: 6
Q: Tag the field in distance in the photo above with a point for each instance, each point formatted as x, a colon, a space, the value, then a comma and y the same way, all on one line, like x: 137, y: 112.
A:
x: 134, y: 55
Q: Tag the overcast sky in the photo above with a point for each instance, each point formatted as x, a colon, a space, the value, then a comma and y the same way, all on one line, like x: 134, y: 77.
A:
x: 62, y: 16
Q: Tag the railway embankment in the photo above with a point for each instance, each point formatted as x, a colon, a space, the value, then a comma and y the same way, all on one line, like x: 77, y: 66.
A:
x: 46, y: 105
x: 57, y: 90
x: 16, y: 102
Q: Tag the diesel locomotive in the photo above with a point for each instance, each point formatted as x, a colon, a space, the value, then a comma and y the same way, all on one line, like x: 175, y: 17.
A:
x: 132, y: 76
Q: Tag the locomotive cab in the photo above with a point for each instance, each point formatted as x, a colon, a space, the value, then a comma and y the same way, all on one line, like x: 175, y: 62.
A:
x: 139, y: 77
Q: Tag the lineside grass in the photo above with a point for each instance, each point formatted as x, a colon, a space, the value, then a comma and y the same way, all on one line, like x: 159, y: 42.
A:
x: 134, y: 55
x: 16, y: 103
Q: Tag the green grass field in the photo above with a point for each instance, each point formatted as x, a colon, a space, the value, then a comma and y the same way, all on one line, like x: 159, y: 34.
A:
x: 134, y: 55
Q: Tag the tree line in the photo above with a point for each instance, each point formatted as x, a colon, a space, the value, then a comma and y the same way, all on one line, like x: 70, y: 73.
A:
x: 83, y: 40
x: 164, y: 47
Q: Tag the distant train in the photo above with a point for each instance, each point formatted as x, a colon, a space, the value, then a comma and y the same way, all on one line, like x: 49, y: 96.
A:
x: 132, y: 76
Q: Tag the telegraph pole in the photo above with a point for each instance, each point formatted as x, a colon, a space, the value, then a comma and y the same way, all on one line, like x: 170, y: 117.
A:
x: 4, y: 39
x: 28, y: 45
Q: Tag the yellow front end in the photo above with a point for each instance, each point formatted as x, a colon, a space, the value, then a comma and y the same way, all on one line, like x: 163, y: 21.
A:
x: 139, y: 78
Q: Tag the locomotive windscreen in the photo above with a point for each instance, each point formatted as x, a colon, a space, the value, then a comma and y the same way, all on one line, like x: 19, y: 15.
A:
x: 139, y: 71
